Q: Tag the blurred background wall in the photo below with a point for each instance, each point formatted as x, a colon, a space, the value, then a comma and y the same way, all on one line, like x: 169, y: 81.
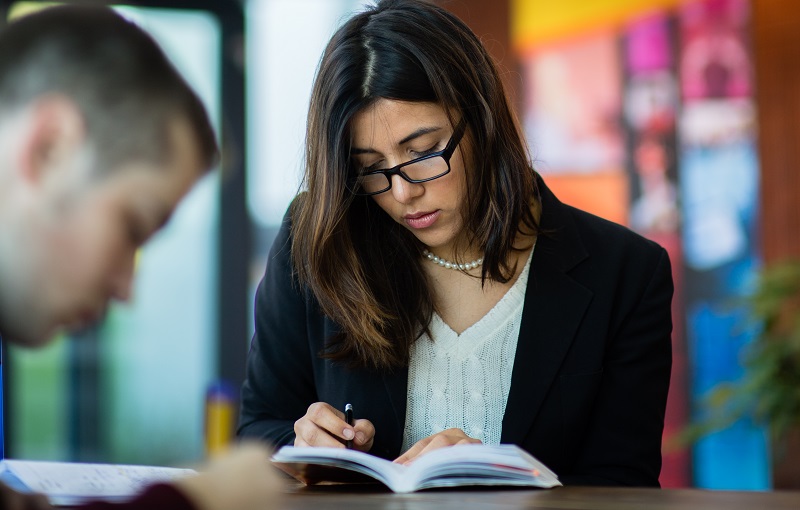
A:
x: 675, y: 118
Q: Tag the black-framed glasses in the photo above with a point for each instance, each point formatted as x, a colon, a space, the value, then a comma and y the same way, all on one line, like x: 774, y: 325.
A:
x: 423, y: 169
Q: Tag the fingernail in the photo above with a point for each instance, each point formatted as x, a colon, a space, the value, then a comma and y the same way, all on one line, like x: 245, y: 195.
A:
x: 348, y: 433
x: 361, y: 438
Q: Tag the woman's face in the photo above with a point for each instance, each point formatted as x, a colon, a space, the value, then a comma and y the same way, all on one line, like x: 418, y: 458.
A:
x: 392, y: 132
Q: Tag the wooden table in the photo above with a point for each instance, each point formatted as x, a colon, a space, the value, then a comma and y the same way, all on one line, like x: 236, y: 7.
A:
x: 571, y: 498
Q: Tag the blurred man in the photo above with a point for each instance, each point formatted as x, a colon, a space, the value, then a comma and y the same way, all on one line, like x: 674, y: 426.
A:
x: 100, y: 138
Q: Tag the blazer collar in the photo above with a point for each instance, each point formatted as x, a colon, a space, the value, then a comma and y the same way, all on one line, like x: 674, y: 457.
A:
x: 554, y: 307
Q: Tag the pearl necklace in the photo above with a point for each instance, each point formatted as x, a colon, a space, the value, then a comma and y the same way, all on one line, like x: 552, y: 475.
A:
x: 452, y: 265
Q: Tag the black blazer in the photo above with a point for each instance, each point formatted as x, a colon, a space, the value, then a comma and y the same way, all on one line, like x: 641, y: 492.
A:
x: 591, y: 372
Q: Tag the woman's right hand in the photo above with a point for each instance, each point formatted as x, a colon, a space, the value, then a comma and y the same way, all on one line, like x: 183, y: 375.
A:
x: 323, y: 425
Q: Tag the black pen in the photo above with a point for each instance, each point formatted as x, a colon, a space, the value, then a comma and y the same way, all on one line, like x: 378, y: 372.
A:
x: 348, y: 417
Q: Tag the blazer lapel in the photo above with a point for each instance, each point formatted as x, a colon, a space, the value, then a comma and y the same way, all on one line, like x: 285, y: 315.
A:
x: 553, y: 310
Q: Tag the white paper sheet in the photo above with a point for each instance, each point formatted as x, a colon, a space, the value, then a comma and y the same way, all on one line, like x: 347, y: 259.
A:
x: 68, y: 483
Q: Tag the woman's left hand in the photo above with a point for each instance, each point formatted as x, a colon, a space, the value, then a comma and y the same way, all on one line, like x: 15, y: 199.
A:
x: 444, y: 438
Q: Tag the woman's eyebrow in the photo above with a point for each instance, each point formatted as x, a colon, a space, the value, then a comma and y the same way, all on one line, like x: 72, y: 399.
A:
x: 416, y: 134
x: 419, y: 132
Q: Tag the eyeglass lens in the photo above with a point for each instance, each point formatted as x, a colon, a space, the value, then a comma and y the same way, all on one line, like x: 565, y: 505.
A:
x: 418, y: 171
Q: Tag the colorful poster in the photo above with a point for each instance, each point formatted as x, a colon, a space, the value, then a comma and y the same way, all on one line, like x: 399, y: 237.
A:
x: 719, y: 180
x: 572, y: 118
x: 650, y: 122
x: 651, y: 105
x: 715, y: 56
x: 573, y: 108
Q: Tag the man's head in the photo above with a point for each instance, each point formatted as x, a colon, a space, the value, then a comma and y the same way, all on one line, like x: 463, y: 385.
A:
x: 100, y: 138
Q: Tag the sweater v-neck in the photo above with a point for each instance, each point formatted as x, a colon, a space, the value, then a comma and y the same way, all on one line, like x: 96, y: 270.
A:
x: 464, y: 343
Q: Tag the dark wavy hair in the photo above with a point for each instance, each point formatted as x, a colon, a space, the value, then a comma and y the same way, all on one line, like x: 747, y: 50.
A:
x: 364, y: 268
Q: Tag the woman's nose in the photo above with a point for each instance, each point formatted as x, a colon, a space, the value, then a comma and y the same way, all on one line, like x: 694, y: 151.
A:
x: 404, y: 191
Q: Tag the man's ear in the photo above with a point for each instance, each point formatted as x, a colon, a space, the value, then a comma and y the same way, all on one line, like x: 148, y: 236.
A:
x: 54, y: 132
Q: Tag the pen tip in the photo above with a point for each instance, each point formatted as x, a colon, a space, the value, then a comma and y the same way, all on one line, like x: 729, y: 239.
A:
x: 348, y: 407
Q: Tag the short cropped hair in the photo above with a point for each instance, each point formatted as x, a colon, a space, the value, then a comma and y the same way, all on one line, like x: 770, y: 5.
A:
x: 127, y: 90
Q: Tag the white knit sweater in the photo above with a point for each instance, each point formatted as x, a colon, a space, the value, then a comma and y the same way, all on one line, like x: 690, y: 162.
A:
x: 462, y: 381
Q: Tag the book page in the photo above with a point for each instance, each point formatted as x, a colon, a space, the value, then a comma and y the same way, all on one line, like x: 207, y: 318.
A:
x: 379, y: 469
x: 459, y: 465
x: 71, y: 483
x: 478, y: 464
x: 489, y: 457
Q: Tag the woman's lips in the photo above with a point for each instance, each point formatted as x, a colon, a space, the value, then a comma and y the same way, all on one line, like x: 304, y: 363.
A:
x: 422, y: 220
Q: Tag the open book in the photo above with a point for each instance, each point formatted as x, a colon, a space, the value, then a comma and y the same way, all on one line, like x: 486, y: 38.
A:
x: 471, y: 464
x: 69, y: 483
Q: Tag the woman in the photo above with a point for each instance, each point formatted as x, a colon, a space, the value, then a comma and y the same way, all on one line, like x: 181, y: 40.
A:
x: 430, y: 278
